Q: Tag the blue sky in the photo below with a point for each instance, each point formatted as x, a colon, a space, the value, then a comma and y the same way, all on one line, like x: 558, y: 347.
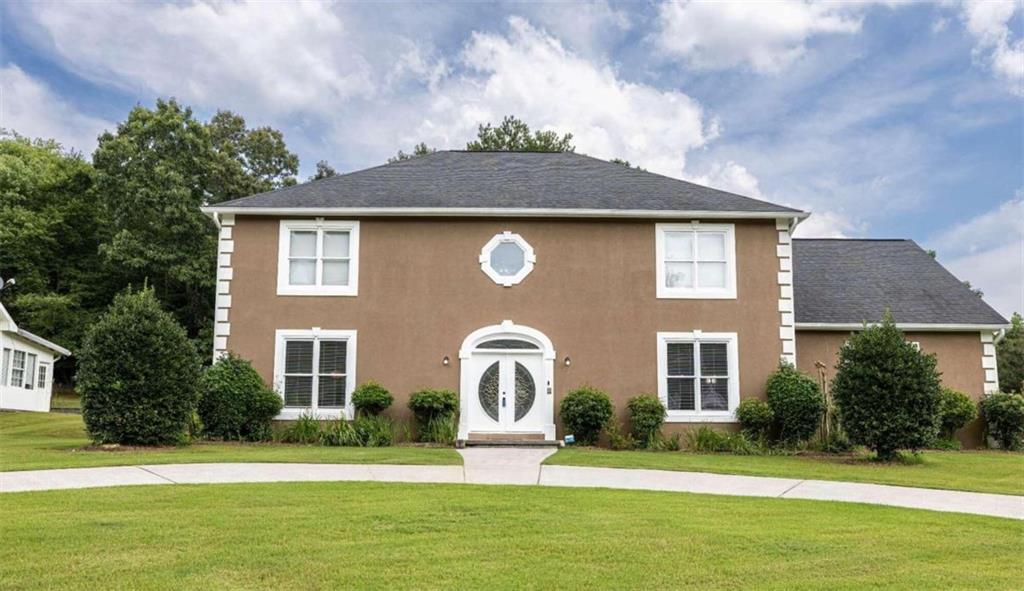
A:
x: 885, y: 119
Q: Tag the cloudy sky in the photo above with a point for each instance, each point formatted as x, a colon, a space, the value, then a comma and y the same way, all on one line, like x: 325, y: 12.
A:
x: 886, y: 119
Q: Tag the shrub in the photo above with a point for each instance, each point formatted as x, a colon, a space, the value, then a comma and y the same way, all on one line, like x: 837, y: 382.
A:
x: 646, y: 416
x: 370, y: 398
x: 585, y: 411
x: 427, y: 405
x: 340, y: 433
x: 796, y: 404
x: 1004, y: 418
x: 617, y: 440
x: 138, y: 374
x: 755, y: 418
x: 305, y: 429
x: 235, y: 403
x: 956, y: 409
x: 1010, y: 357
x: 886, y: 391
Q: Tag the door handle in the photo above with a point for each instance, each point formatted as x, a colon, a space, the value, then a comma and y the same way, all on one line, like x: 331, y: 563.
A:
x: 502, y: 400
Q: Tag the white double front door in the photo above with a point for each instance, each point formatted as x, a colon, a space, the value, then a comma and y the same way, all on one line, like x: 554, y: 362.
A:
x: 509, y: 390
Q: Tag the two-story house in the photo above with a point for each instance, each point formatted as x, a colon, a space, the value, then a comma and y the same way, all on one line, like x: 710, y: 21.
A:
x: 513, y: 278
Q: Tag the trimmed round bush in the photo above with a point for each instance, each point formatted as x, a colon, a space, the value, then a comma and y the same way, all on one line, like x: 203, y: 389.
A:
x: 1004, y: 416
x: 956, y: 409
x: 886, y: 391
x: 646, y: 416
x: 755, y: 418
x: 585, y: 411
x: 234, y: 401
x: 138, y: 374
x: 371, y: 399
x: 431, y: 408
x: 796, y: 403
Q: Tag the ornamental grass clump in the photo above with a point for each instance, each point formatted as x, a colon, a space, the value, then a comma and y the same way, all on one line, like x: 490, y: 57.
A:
x: 138, y: 374
x: 435, y: 414
x: 886, y: 391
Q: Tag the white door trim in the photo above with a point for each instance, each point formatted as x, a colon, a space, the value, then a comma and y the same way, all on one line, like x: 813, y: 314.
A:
x: 545, y: 387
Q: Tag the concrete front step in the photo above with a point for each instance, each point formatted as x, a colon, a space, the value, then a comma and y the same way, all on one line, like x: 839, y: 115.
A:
x: 507, y: 443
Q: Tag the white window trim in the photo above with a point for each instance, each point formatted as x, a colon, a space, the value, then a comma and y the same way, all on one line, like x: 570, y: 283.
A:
x: 718, y: 293
x: 31, y: 360
x: 529, y: 258
x: 18, y: 369
x: 290, y: 412
x: 698, y: 416
x: 42, y: 375
x: 320, y: 226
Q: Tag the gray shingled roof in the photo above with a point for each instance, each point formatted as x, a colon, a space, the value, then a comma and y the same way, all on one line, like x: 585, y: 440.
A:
x: 516, y: 180
x: 850, y: 281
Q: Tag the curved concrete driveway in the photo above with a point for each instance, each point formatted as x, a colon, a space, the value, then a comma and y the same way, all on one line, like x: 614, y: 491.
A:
x: 522, y: 467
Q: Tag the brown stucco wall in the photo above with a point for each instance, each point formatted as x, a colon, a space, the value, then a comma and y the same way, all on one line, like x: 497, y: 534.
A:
x: 958, y: 353
x: 592, y: 292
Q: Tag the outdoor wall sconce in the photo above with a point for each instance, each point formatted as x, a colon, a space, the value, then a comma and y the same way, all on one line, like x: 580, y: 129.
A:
x: 568, y: 361
x: 445, y: 362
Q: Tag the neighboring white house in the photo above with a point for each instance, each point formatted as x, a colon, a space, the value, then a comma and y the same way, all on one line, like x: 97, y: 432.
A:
x: 26, y: 367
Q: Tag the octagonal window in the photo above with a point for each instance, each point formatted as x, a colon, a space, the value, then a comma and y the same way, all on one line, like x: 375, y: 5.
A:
x: 507, y: 259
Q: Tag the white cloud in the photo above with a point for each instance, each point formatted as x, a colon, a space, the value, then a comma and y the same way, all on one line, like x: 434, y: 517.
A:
x: 826, y: 224
x: 765, y: 36
x: 586, y: 27
x: 530, y: 74
x: 988, y: 251
x: 274, y: 56
x: 988, y: 21
x: 729, y: 177
x: 30, y: 108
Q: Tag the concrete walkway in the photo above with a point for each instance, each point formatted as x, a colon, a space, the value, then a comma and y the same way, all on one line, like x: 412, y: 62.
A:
x: 521, y: 467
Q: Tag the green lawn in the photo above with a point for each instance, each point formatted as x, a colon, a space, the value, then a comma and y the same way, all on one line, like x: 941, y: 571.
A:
x: 65, y: 401
x: 33, y: 441
x: 388, y: 536
x: 981, y: 471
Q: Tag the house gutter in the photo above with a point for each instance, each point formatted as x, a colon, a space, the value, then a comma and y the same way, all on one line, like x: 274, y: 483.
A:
x: 214, y: 210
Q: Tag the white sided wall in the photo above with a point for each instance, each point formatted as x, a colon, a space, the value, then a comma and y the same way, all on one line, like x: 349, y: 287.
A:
x: 21, y: 398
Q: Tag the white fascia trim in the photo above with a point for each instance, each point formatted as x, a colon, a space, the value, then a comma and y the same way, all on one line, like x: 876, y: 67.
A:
x: 662, y: 292
x: 732, y: 341
x: 284, y: 288
x: 290, y: 412
x: 501, y: 211
x: 903, y: 326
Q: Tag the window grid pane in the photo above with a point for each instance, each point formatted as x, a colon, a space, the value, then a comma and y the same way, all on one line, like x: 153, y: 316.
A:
x: 331, y: 392
x: 697, y: 376
x: 18, y: 369
x: 298, y: 391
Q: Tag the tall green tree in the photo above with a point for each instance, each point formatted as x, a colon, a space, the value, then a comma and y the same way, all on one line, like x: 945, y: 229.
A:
x: 51, y: 227
x: 513, y: 135
x: 323, y: 170
x: 153, y: 174
x: 247, y: 161
x: 419, y: 149
x: 1010, y: 356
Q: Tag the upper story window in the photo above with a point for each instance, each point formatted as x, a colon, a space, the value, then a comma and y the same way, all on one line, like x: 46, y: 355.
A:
x: 696, y: 261
x: 698, y: 376
x: 318, y: 257
x: 507, y: 259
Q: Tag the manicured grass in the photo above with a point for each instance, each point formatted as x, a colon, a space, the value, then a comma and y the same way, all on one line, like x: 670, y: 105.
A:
x: 980, y: 471
x: 388, y: 536
x: 33, y: 441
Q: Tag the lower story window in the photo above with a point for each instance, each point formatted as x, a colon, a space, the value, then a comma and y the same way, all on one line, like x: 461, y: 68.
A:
x: 698, y: 376
x: 43, y: 370
x: 18, y: 369
x: 315, y: 372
